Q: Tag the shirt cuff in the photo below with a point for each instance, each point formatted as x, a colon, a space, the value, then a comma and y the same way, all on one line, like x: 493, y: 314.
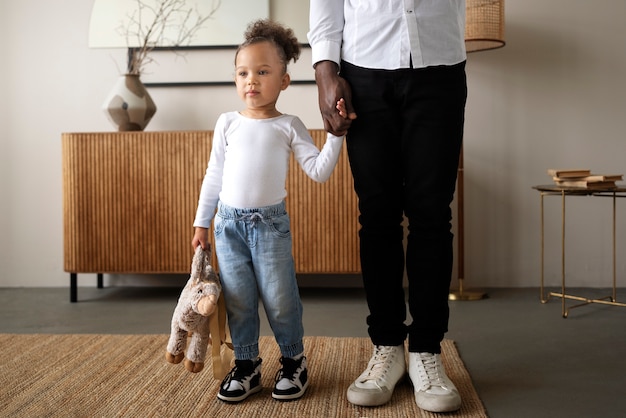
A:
x: 331, y: 137
x: 326, y: 51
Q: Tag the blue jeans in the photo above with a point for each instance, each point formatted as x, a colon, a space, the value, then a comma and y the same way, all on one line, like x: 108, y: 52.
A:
x: 404, y: 154
x: 253, y: 248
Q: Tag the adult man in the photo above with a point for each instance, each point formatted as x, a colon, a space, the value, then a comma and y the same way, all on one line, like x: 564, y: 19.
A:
x: 400, y: 65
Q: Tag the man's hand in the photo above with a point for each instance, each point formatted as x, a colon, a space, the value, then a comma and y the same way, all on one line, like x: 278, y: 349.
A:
x: 331, y: 89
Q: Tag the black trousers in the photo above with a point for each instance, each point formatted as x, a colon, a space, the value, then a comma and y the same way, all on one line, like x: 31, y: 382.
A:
x: 404, y: 152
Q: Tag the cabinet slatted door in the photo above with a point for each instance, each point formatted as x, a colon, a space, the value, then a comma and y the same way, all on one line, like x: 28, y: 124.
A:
x: 129, y: 200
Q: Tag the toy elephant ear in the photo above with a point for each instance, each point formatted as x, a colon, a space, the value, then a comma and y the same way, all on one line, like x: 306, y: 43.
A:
x: 200, y: 252
x: 198, y: 263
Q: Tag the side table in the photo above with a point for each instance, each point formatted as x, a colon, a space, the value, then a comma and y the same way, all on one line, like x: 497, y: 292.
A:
x: 564, y: 192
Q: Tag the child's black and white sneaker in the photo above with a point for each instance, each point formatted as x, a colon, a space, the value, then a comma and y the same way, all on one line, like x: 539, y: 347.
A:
x: 242, y: 381
x: 291, y: 380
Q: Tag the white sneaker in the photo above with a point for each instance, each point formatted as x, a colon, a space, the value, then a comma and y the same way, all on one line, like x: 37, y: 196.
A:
x: 434, y: 391
x: 375, y: 385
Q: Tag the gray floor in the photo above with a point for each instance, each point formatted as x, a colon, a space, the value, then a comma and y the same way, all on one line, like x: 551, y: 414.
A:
x: 524, y: 358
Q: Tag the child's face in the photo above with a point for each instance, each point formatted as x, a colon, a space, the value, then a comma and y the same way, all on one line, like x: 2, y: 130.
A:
x: 260, y: 76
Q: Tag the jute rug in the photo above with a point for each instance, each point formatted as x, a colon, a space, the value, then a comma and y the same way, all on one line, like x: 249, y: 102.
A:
x: 127, y: 376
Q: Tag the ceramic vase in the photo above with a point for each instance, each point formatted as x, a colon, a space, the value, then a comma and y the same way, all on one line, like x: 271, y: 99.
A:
x: 129, y: 106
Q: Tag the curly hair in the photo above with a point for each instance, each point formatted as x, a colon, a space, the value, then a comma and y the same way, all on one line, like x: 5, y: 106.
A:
x: 266, y: 30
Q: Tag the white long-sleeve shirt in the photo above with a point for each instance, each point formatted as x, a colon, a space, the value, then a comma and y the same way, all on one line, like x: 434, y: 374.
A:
x: 250, y: 159
x: 388, y: 34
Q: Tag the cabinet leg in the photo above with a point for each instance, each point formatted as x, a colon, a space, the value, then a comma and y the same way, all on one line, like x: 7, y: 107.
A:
x: 74, y: 285
x: 73, y: 288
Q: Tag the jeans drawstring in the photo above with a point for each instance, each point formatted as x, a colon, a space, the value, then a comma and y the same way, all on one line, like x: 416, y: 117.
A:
x: 252, y: 218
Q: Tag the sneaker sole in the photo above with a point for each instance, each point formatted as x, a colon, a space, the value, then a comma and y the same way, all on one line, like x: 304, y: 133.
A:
x: 361, y: 397
x: 235, y: 399
x: 433, y: 403
x: 371, y: 397
x: 291, y: 396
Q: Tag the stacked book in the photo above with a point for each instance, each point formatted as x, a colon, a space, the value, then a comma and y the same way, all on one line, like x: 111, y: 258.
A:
x: 583, y: 178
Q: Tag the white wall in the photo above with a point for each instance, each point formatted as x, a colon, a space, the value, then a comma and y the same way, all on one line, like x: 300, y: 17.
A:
x: 555, y: 96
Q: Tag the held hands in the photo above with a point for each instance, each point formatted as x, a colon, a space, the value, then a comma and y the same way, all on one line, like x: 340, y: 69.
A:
x: 335, y: 98
x: 343, y: 112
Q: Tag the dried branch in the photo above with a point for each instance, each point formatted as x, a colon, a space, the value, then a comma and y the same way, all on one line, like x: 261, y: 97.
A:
x: 152, y: 24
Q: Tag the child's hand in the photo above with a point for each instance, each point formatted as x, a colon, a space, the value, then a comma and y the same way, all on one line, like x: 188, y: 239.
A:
x: 341, y: 107
x: 201, y: 237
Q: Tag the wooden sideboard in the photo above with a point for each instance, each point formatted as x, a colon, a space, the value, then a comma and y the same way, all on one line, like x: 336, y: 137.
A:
x: 129, y: 200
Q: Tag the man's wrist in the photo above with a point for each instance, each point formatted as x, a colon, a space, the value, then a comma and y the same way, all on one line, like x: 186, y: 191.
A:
x: 326, y: 67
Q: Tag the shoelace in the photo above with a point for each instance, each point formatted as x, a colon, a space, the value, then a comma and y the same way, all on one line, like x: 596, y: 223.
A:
x: 429, y: 371
x: 238, y: 374
x: 289, y: 369
x: 377, y: 366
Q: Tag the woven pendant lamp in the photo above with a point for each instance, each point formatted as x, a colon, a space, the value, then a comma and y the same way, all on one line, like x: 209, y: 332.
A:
x: 484, y: 25
x: 484, y: 30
